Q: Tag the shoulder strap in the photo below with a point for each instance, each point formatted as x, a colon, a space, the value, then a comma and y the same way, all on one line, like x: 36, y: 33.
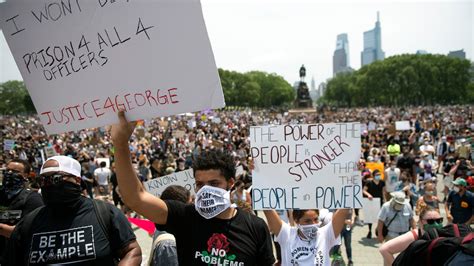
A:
x: 392, y: 219
x: 103, y: 216
x: 456, y: 230
x: 28, y: 222
x: 430, y: 249
x: 468, y: 238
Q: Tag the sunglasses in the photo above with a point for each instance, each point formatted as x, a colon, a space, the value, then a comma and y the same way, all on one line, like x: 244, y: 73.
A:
x: 49, y: 180
x: 432, y: 221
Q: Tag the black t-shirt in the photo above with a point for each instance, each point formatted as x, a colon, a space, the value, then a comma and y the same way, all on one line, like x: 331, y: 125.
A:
x: 376, y: 190
x: 26, y: 201
x: 242, y: 240
x: 72, y: 236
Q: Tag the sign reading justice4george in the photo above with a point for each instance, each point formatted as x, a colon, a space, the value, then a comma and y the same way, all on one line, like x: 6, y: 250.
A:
x: 306, y: 166
x: 83, y: 60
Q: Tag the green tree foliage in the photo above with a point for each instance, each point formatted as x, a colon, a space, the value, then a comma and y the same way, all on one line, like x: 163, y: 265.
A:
x: 14, y: 98
x: 404, y: 80
x: 255, y: 89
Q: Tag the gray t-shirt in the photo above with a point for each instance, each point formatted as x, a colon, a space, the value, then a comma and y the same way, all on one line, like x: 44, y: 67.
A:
x: 401, y: 223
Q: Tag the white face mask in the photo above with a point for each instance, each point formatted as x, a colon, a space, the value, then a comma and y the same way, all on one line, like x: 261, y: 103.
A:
x: 309, y: 231
x: 211, y: 201
x: 456, y: 189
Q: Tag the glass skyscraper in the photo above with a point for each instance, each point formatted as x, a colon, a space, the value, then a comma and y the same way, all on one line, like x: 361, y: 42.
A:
x: 373, y: 45
x: 340, y: 59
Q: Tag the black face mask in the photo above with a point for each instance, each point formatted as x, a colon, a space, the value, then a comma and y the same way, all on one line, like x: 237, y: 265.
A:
x: 12, y: 183
x: 62, y: 195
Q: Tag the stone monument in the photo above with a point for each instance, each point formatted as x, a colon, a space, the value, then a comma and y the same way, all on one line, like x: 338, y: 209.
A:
x: 303, y: 100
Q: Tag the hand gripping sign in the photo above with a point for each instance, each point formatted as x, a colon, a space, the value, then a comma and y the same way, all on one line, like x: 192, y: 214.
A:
x: 306, y: 166
x: 82, y: 60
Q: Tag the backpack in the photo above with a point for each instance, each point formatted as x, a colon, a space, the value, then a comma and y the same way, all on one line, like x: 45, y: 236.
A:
x: 453, y: 242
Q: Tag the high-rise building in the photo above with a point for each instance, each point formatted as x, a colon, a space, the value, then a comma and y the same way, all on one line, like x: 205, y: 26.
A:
x: 421, y: 52
x: 373, y: 44
x: 457, y: 54
x: 340, y: 59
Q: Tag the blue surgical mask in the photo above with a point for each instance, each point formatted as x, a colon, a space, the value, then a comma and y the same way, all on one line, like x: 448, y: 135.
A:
x: 378, y: 177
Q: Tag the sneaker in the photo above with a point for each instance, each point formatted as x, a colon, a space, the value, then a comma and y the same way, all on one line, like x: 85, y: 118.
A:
x: 369, y: 235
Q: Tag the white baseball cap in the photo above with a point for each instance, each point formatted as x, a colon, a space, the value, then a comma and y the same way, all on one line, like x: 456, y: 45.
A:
x: 65, y: 164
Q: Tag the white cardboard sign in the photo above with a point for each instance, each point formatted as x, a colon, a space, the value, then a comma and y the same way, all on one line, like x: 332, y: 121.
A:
x: 184, y: 178
x: 306, y: 166
x: 83, y: 60
x: 371, y: 210
x: 402, y: 125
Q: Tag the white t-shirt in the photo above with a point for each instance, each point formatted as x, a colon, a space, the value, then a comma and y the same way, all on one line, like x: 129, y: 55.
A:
x: 391, y: 179
x: 295, y: 251
x: 103, y: 176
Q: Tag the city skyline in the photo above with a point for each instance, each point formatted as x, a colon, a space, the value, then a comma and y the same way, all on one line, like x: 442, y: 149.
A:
x: 279, y: 36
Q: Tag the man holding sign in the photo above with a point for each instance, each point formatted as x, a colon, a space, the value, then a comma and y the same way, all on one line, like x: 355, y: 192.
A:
x: 209, y: 232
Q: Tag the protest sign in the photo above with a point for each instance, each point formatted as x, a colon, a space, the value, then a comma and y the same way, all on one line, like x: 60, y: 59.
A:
x: 184, y: 178
x: 179, y: 134
x: 402, y: 125
x: 8, y: 144
x: 376, y: 166
x: 306, y: 166
x: 372, y: 126
x: 83, y: 60
x: 370, y: 210
x: 106, y: 160
x: 49, y: 152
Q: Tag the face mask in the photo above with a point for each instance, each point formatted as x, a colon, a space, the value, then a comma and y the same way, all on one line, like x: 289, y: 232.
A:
x: 309, y: 231
x: 377, y: 177
x: 456, y: 189
x: 211, y: 201
x: 62, y: 195
x: 392, y: 167
x: 429, y: 193
x: 12, y: 183
x: 426, y: 227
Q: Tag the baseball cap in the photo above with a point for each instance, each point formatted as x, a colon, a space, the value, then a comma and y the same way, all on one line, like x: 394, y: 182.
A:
x: 65, y: 164
x: 460, y: 182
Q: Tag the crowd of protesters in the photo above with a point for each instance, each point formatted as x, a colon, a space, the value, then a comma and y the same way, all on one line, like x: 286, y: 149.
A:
x: 438, y: 147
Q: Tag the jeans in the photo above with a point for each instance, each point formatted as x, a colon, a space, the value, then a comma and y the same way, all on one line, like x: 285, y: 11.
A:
x: 347, y: 236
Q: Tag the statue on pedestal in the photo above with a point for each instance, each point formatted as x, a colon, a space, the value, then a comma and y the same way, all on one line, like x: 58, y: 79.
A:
x: 303, y: 100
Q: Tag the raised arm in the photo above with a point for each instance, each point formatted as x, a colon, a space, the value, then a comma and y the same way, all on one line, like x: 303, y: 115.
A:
x: 274, y: 221
x: 132, y: 191
x: 339, y: 221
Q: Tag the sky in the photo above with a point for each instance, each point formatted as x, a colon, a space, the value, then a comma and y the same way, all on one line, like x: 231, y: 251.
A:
x: 278, y: 36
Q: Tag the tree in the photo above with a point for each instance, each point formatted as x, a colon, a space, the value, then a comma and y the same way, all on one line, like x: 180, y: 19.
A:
x: 14, y: 98
x: 255, y: 88
x: 404, y: 80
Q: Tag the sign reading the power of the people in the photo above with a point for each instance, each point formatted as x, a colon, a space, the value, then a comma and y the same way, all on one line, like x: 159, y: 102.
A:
x: 83, y: 60
x: 306, y: 166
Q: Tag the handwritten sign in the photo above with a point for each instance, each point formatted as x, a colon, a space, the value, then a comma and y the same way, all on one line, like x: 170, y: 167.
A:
x: 8, y: 144
x: 371, y: 210
x: 184, y: 178
x: 83, y: 60
x: 306, y: 166
x: 402, y: 125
